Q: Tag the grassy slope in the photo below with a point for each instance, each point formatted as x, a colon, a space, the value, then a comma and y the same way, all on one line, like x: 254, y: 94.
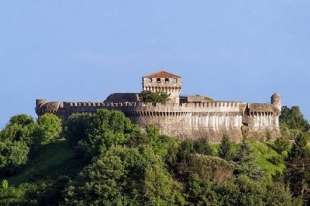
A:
x: 50, y: 162
x: 264, y: 155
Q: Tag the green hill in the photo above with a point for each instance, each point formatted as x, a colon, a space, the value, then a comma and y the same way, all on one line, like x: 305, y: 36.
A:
x: 48, y: 163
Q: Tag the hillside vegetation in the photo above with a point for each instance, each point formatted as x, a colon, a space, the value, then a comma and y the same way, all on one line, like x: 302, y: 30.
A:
x: 103, y: 159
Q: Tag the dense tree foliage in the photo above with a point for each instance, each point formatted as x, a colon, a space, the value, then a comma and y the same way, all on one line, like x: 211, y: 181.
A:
x: 20, y: 138
x: 110, y: 161
x: 245, y: 162
x: 297, y: 173
x: 124, y: 176
x: 20, y: 128
x: 147, y: 96
x: 281, y: 144
x: 13, y: 155
x: 106, y: 128
x: 77, y: 127
x: 49, y: 128
x: 293, y: 119
x: 245, y: 191
x: 225, y: 149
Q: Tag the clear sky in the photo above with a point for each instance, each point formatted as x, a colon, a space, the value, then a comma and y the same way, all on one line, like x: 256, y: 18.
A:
x: 71, y: 50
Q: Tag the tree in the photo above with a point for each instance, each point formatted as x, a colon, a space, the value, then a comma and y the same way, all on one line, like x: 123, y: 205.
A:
x: 152, y: 132
x: 147, y: 96
x: 5, y: 184
x: 99, y: 183
x: 76, y: 127
x: 8, y: 194
x: 49, y: 128
x: 21, y: 119
x: 277, y: 195
x: 299, y: 148
x: 106, y: 128
x: 242, y: 191
x: 13, y: 156
x: 297, y: 172
x: 115, y: 121
x: 246, y: 162
x: 225, y: 150
x: 185, y: 149
x: 200, y: 192
x: 281, y: 144
x: 20, y: 128
x: 293, y: 118
x: 244, y: 153
x: 202, y: 146
x: 124, y: 176
x: 247, y: 192
x: 17, y: 141
x: 209, y: 168
x: 53, y: 195
x: 159, y: 143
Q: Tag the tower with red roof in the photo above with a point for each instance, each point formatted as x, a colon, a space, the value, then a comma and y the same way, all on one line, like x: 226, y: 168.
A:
x: 164, y: 81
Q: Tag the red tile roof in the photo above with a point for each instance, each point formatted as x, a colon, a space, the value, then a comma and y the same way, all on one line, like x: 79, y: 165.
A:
x: 162, y: 74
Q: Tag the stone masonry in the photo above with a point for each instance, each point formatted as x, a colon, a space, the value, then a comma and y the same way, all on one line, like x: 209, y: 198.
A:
x: 188, y: 117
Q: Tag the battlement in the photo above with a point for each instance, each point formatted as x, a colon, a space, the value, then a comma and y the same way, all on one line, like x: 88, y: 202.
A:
x: 258, y: 109
x: 190, y: 107
x: 215, y: 104
x: 137, y: 107
x: 184, y: 117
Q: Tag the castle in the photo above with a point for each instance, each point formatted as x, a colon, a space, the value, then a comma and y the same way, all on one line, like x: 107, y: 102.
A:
x: 183, y: 116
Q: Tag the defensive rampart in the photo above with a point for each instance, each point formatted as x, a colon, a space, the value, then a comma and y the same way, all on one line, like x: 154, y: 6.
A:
x: 187, y: 120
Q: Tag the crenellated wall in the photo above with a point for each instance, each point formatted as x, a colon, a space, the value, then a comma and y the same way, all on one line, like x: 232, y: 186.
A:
x: 188, y: 120
x: 183, y: 117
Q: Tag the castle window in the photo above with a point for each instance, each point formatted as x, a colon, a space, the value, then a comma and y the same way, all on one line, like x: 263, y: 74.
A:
x: 158, y: 80
x: 166, y: 80
x: 149, y: 80
x: 175, y: 80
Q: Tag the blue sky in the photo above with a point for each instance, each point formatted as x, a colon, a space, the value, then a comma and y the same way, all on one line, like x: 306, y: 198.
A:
x: 85, y: 50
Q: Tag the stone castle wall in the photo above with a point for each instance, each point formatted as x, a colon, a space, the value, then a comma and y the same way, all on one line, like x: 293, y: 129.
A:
x: 188, y: 120
x: 192, y: 120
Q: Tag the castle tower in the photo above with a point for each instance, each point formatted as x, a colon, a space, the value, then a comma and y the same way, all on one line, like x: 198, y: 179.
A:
x: 164, y: 81
x: 276, y: 100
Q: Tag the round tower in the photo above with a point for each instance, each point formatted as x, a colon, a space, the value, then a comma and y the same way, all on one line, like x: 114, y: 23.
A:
x: 276, y: 100
x: 40, y: 101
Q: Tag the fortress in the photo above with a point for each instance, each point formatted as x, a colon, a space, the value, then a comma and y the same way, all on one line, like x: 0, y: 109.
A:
x: 185, y: 117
